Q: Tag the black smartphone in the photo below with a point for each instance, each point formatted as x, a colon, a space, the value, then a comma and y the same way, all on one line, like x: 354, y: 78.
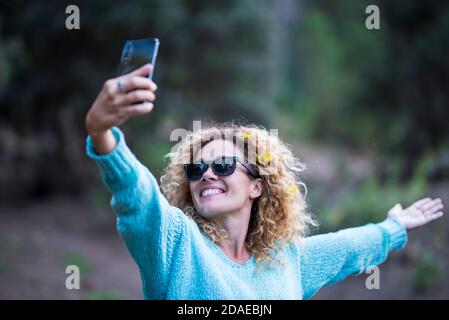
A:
x: 136, y: 53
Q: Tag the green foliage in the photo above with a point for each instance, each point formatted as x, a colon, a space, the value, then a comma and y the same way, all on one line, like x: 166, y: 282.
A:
x: 381, y: 89
x: 370, y: 200
x: 99, y: 197
x: 216, y: 60
x: 312, y: 66
x: 152, y: 155
x: 428, y: 271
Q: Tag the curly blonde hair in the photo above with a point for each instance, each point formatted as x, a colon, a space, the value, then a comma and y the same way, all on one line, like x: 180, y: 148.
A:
x: 278, y: 216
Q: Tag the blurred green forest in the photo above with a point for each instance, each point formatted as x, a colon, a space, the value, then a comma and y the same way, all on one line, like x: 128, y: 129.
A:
x: 309, y: 68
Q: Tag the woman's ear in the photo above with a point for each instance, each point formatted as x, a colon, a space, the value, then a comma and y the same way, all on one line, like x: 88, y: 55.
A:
x: 256, y: 188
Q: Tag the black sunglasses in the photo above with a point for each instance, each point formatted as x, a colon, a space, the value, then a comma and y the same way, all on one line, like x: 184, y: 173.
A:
x: 223, y: 166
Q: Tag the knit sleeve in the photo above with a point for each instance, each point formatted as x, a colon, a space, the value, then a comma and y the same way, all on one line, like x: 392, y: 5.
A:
x: 148, y: 225
x: 328, y: 258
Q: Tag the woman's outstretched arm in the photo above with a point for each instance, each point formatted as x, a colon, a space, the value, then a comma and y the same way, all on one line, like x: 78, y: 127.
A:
x: 149, y: 226
x: 328, y: 258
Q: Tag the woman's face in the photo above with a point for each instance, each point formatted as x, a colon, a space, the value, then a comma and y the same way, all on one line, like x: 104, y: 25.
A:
x: 215, y: 195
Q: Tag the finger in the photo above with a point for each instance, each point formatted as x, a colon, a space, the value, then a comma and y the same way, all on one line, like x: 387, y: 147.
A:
x: 435, y: 216
x: 135, y: 83
x: 139, y: 109
x: 143, y: 71
x: 434, y: 209
x: 431, y: 204
x: 112, y: 88
x: 135, y: 97
x: 421, y: 202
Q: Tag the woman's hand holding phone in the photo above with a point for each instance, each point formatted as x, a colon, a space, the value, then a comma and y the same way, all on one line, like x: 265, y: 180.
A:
x: 129, y: 95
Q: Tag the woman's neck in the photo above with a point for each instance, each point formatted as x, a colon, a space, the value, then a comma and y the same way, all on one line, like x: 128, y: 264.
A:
x: 233, y: 246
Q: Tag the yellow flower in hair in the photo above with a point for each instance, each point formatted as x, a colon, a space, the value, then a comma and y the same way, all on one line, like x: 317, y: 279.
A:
x: 265, y: 157
x: 293, y: 189
x: 247, y: 136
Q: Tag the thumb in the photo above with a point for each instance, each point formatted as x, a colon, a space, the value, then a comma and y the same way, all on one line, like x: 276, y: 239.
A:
x: 396, y: 209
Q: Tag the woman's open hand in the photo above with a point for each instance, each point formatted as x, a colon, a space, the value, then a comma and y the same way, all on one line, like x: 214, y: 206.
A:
x: 418, y: 214
x: 128, y: 95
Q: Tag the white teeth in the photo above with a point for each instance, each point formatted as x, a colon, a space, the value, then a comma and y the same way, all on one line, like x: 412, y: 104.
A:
x: 209, y: 192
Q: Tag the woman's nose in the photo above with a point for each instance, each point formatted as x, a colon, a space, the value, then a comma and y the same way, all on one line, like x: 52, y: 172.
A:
x: 209, y: 175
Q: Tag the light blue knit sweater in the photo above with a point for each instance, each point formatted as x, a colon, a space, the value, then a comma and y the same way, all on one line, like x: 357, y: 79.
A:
x: 177, y: 261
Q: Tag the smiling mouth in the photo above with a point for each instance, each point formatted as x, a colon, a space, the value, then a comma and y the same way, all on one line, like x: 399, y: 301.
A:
x: 211, y: 193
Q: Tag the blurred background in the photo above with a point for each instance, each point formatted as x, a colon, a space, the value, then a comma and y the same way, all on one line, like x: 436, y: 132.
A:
x: 366, y: 110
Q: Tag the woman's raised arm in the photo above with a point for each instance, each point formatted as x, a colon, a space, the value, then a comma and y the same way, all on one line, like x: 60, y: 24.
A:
x: 149, y: 226
x: 329, y: 258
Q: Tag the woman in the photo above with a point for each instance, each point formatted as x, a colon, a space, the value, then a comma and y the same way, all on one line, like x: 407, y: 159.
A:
x: 230, y: 222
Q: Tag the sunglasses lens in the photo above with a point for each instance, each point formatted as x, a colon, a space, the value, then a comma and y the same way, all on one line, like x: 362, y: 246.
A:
x: 225, y: 167
x: 194, y: 171
x: 222, y: 167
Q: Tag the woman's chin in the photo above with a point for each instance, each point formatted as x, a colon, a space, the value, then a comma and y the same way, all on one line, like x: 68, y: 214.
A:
x: 210, y: 211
